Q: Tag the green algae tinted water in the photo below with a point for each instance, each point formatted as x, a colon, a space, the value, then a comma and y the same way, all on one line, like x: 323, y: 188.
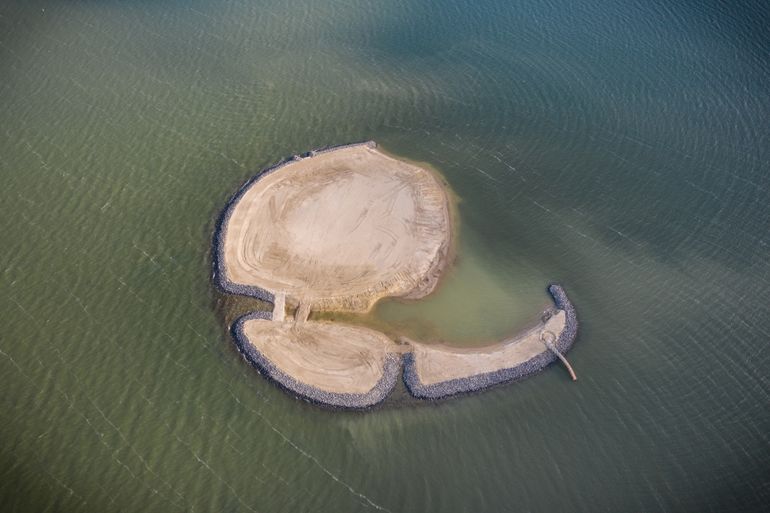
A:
x: 621, y: 149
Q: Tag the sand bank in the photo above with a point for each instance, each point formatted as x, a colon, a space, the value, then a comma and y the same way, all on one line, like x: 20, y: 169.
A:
x: 337, y: 230
x: 354, y: 367
x: 329, y: 364
x: 434, y: 371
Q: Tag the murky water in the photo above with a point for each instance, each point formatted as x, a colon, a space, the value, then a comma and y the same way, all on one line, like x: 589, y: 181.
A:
x: 620, y: 149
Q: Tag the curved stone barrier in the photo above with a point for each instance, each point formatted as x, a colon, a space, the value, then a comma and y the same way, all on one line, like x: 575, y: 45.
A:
x: 219, y: 272
x: 383, y: 387
x: 483, y: 381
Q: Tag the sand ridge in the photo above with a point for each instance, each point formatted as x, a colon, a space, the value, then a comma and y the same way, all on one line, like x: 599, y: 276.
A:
x: 436, y: 363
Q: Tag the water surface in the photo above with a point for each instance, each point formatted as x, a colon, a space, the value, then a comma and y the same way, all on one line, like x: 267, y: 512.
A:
x: 620, y: 149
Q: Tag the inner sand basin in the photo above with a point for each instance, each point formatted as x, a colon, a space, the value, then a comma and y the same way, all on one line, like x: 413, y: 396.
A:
x: 338, y: 230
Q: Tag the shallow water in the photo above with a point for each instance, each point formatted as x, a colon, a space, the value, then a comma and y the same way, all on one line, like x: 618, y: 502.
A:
x: 621, y: 150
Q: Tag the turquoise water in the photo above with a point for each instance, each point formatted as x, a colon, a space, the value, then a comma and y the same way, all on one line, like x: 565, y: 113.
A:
x: 620, y: 149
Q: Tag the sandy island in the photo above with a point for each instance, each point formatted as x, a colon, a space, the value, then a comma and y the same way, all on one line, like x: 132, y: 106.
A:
x: 339, y: 229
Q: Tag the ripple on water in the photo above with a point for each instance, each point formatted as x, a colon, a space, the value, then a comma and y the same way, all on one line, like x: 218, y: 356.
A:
x: 621, y: 150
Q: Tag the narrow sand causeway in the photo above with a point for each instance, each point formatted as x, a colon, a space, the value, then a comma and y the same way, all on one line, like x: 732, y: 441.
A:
x: 337, y: 230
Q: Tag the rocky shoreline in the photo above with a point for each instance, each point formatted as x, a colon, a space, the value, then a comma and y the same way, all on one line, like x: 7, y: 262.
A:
x: 383, y: 388
x: 480, y: 382
x: 393, y: 361
x: 220, y: 273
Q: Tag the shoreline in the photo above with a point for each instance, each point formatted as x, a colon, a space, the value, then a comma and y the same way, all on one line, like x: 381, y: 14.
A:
x: 337, y: 400
x: 220, y: 273
x: 400, y: 361
x: 344, y: 366
x: 483, y: 381
x: 433, y: 203
x: 453, y: 200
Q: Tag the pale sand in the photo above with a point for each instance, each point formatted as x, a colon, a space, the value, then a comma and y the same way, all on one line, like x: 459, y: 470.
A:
x: 340, y: 230
x: 331, y: 357
x: 348, y: 359
x: 437, y: 363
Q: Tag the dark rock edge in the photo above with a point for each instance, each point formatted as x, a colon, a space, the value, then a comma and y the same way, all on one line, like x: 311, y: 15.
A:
x: 393, y: 361
x: 392, y: 368
x: 377, y: 394
x: 480, y: 382
x: 220, y: 273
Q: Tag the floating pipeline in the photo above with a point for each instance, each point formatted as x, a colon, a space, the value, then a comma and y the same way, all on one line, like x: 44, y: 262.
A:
x: 220, y: 273
x: 381, y: 390
x: 486, y: 380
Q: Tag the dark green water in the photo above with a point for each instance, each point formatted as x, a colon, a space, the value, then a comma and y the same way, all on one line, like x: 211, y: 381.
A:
x: 622, y: 149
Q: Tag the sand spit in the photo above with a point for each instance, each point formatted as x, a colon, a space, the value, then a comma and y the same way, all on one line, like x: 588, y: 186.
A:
x: 338, y: 229
x: 435, y: 372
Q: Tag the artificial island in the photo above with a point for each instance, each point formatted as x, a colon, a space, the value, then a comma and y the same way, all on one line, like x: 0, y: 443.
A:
x: 336, y: 230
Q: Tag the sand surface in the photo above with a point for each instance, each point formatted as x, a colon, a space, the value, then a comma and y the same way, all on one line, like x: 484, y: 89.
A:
x: 332, y: 357
x: 436, y: 363
x: 340, y: 230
